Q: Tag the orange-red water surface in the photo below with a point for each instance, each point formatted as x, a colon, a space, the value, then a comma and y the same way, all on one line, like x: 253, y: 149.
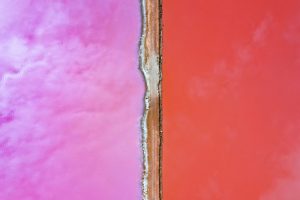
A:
x: 231, y: 95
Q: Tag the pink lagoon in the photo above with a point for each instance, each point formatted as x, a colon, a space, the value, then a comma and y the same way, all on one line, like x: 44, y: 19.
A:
x: 71, y: 100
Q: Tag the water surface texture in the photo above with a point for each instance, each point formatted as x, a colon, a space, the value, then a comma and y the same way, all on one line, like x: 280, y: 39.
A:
x: 231, y: 94
x: 71, y: 99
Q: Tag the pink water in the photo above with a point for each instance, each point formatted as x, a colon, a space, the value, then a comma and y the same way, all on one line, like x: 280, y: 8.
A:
x: 71, y: 99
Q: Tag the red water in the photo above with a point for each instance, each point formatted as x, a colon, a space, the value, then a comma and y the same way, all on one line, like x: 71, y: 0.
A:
x: 231, y: 94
